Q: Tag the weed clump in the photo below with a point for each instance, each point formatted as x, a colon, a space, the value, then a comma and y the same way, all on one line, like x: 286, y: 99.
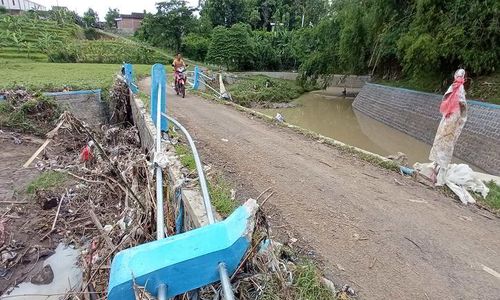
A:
x: 185, y: 156
x: 493, y: 198
x: 220, y: 194
x: 46, y: 180
x: 307, y: 283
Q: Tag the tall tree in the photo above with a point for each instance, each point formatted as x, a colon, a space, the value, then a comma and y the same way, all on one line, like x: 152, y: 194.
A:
x: 226, y: 12
x: 231, y: 47
x: 90, y: 18
x: 111, y: 16
x: 172, y: 21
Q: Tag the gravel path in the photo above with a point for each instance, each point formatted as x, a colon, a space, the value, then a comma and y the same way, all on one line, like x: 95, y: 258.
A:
x: 386, y: 236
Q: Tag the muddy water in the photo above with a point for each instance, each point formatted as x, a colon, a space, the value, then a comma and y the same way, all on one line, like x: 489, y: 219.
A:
x: 334, y: 117
x: 67, y: 276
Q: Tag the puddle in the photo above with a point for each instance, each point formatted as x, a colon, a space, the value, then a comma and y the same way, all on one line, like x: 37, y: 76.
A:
x: 334, y: 117
x: 67, y: 276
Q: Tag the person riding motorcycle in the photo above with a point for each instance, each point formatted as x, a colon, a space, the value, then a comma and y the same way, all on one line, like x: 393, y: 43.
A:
x: 177, y: 64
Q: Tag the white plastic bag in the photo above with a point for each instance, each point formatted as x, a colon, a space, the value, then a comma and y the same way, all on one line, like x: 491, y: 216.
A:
x: 458, y: 177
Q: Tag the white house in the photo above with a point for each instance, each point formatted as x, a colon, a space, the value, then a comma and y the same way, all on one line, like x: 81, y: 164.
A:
x: 16, y: 6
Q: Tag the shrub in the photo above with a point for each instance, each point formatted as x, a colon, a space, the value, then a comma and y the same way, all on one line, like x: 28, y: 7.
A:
x: 232, y: 47
x: 91, y: 34
x: 195, y: 46
x: 264, y: 89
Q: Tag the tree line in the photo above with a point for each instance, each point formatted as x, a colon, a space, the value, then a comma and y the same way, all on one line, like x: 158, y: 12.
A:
x: 422, y: 40
x: 419, y: 39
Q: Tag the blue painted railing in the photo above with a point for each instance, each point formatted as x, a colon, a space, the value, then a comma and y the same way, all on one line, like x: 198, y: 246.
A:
x: 80, y: 92
x: 158, y: 82
x: 177, y: 264
x: 128, y: 73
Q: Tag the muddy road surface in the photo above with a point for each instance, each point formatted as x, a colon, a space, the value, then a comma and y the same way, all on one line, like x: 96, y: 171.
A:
x: 386, y: 236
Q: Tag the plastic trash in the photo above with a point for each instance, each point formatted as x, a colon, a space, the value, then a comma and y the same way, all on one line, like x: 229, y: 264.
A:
x: 86, y: 153
x: 279, y: 118
x: 458, y: 177
x: 406, y: 171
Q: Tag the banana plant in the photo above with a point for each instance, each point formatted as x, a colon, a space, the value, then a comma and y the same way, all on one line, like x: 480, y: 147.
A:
x: 4, y: 38
x: 6, y: 19
x: 17, y: 39
x: 14, y: 23
x: 29, y: 47
x: 45, y: 41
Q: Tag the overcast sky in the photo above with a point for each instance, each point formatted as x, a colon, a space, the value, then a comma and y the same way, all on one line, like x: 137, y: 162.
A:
x: 101, y: 6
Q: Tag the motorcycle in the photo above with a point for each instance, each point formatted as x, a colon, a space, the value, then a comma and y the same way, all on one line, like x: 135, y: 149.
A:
x: 180, y: 81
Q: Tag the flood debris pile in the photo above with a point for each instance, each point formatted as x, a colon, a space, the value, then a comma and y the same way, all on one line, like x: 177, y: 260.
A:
x: 94, y: 193
x: 119, y: 104
x: 26, y: 112
x: 109, y: 206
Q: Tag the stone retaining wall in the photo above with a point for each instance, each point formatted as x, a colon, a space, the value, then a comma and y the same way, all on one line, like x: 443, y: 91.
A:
x: 417, y: 114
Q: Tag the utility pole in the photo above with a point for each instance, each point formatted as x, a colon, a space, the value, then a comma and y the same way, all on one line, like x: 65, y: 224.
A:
x: 303, y: 14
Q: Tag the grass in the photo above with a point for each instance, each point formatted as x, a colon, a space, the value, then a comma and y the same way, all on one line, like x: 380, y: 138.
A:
x: 56, y: 76
x: 31, y: 31
x: 219, y: 189
x: 46, y: 180
x: 185, y: 156
x: 220, y: 194
x: 493, y: 198
x: 262, y: 89
x: 427, y: 85
x: 40, y: 39
x: 145, y: 99
x: 308, y: 285
x: 164, y: 52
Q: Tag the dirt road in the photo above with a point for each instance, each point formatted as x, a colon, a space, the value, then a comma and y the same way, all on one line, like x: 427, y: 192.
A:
x: 387, y: 237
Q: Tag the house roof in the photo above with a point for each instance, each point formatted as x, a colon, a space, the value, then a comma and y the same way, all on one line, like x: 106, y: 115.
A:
x: 133, y: 15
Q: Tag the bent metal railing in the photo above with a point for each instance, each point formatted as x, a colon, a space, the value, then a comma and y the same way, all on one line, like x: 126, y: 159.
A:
x: 159, y: 111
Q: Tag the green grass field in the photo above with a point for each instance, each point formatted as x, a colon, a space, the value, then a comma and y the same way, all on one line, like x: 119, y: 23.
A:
x: 55, y: 76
